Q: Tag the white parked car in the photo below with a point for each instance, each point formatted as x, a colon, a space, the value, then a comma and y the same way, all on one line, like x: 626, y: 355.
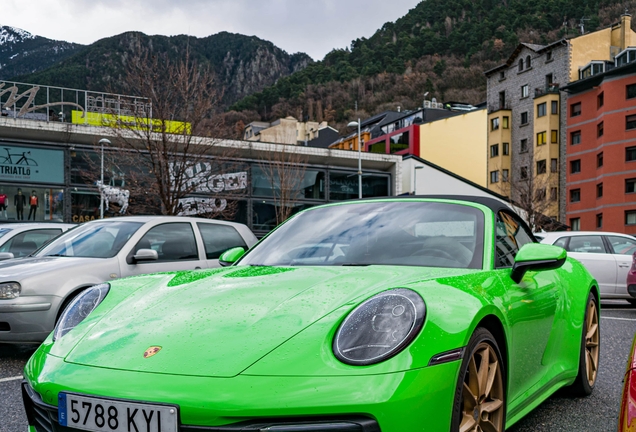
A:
x: 21, y: 239
x: 607, y: 255
x: 34, y: 290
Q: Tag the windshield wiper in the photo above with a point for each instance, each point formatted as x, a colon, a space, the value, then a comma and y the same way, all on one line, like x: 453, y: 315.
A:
x: 354, y: 265
x: 56, y: 255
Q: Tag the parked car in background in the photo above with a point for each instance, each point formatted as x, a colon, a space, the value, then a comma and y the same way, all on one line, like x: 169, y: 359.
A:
x: 627, y: 415
x: 397, y: 314
x: 34, y: 290
x: 21, y: 239
x: 607, y: 255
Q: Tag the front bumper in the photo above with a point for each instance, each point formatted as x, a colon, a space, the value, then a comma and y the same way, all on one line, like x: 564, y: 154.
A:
x: 417, y: 400
x: 27, y: 319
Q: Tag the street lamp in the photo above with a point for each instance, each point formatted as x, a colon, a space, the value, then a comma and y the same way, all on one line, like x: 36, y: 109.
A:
x: 415, y: 178
x: 351, y: 125
x: 101, y: 194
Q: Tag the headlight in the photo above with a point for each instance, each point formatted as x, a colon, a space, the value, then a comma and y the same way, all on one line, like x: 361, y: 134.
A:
x: 80, y: 308
x: 380, y: 327
x: 10, y: 290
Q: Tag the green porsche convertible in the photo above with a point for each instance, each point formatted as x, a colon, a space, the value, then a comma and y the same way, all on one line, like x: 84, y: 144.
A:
x: 394, y: 315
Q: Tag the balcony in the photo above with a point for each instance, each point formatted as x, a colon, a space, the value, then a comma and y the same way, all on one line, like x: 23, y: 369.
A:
x: 542, y: 91
x: 498, y: 107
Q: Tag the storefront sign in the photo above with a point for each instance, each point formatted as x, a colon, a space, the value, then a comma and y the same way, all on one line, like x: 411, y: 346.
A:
x: 129, y: 122
x: 31, y: 165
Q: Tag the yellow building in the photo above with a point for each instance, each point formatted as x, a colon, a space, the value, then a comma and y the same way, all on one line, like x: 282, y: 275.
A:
x: 351, y: 142
x: 458, y: 144
x: 498, y: 148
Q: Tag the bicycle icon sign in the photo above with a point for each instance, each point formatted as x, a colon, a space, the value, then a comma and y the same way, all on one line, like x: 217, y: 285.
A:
x: 23, y: 159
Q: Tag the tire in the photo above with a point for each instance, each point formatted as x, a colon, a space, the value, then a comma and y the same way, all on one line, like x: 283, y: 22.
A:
x: 589, y: 352
x: 487, y: 411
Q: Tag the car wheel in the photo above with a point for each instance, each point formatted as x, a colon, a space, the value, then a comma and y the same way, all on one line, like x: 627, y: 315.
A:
x: 589, y: 352
x: 480, y: 395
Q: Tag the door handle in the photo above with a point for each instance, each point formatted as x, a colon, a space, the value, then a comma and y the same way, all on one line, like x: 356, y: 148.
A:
x: 623, y: 265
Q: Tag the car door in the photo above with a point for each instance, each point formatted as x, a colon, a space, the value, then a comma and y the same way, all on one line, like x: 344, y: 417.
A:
x: 622, y: 249
x: 217, y: 238
x: 532, y: 307
x: 591, y: 252
x: 176, y: 248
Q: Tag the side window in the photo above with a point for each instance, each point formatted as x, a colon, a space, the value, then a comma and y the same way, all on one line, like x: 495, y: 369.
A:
x: 172, y: 241
x: 622, y: 245
x: 586, y: 244
x: 562, y: 242
x: 219, y: 238
x: 25, y: 243
x: 510, y: 236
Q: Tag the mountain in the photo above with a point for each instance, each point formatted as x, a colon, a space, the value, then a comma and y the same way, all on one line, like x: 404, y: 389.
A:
x: 22, y: 53
x: 243, y: 64
x: 441, y: 47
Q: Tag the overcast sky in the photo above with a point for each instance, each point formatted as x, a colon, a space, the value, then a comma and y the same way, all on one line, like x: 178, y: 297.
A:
x: 314, y: 27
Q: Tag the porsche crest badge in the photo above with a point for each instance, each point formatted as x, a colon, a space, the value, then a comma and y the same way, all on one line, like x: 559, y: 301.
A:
x: 151, y: 351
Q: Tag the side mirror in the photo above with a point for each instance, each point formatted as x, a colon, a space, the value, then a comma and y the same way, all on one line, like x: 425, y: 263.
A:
x: 146, y: 255
x: 536, y: 256
x: 6, y: 256
x: 231, y: 256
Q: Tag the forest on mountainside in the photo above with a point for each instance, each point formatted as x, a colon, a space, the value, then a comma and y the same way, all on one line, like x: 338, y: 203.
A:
x: 441, y: 47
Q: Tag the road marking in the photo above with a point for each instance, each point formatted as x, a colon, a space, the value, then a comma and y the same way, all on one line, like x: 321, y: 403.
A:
x: 619, y: 319
x: 15, y: 378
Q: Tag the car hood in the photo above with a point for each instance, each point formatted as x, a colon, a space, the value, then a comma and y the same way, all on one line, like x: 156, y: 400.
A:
x: 221, y: 324
x: 22, y: 268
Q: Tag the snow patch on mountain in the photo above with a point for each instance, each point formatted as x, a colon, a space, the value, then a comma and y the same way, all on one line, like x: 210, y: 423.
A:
x: 13, y: 35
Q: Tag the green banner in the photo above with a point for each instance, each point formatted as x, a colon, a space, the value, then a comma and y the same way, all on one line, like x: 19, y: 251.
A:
x: 31, y: 165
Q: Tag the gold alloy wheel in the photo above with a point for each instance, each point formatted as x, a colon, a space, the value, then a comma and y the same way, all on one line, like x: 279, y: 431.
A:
x: 483, y: 393
x: 591, y: 343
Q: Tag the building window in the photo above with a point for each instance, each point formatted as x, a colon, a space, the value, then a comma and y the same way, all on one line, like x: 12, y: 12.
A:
x: 541, y: 109
x: 575, y: 224
x: 553, y: 194
x: 502, y: 99
x: 575, y: 195
x: 540, y: 195
x: 599, y: 129
x: 541, y: 138
x: 505, y: 122
x: 630, y: 154
x: 554, y: 165
x: 502, y: 76
x: 575, y: 109
x: 575, y: 137
x: 494, y: 176
x: 630, y: 217
x: 575, y: 166
x: 504, y: 175
x: 555, y: 107
x: 599, y: 160
x: 599, y: 220
x: 524, y: 91
x: 600, y: 100
x: 630, y: 122
x: 631, y: 91
x: 494, y: 150
x: 630, y: 185
x: 524, y: 118
x: 524, y: 146
x: 599, y: 190
x: 524, y: 172
x: 494, y: 123
x: 541, y: 166
x: 506, y: 149
x: 554, y: 137
x: 528, y: 62
x: 520, y: 65
x: 548, y: 56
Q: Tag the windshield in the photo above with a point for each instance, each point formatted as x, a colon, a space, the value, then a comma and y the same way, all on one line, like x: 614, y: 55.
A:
x: 4, y: 231
x: 92, y: 240
x: 417, y: 233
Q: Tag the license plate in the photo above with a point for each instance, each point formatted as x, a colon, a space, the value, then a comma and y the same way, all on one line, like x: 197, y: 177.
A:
x: 108, y: 415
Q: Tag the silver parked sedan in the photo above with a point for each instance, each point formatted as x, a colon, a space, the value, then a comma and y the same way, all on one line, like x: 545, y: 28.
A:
x: 34, y: 290
x: 21, y: 239
x: 606, y: 255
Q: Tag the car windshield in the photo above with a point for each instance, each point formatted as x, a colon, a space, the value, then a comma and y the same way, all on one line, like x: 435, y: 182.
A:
x: 92, y: 240
x: 428, y: 234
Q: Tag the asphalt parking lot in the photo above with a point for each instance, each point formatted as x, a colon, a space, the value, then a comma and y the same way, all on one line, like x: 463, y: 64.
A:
x: 597, y: 413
